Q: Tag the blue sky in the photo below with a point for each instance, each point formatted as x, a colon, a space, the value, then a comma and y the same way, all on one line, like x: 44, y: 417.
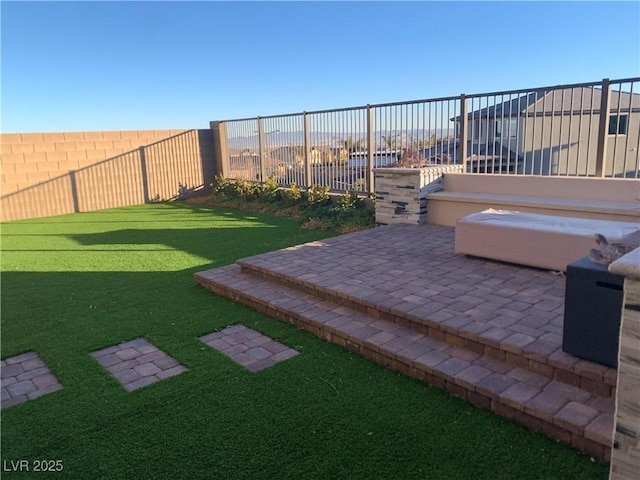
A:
x: 75, y: 66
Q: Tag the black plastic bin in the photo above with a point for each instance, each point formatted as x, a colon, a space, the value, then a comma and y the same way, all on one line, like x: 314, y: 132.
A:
x: 592, y: 311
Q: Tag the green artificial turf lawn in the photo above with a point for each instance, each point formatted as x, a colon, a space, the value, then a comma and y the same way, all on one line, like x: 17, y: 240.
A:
x: 77, y: 283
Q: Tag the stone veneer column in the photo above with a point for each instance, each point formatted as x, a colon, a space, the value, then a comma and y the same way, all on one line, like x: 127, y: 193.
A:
x: 625, y: 454
x: 401, y: 192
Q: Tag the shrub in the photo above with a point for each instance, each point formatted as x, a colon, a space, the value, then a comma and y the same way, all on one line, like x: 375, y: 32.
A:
x: 245, y: 190
x: 239, y: 188
x: 313, y: 207
x: 270, y: 189
x: 350, y: 201
x: 293, y: 196
x: 221, y: 185
x: 318, y: 195
x: 316, y: 224
x: 184, y: 191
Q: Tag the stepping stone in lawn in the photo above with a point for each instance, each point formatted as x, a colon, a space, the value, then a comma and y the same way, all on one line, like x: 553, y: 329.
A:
x: 137, y: 363
x: 25, y: 377
x: 248, y: 347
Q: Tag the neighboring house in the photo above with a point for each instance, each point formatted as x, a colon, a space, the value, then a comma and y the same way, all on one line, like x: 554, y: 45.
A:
x: 244, y: 159
x: 553, y: 132
x: 381, y: 158
x: 339, y: 155
x: 289, y: 155
x: 320, y: 156
x: 489, y: 157
x: 294, y: 155
x: 329, y: 155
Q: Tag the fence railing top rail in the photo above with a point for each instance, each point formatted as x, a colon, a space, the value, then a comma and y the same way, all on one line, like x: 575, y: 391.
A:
x: 444, y: 99
x: 625, y: 80
x: 536, y: 89
x: 241, y: 119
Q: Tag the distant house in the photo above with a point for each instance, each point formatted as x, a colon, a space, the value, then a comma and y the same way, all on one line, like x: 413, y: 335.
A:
x: 381, y: 158
x: 288, y: 155
x: 339, y: 155
x: 294, y: 155
x: 320, y: 156
x: 552, y: 132
x: 244, y: 159
x: 329, y: 155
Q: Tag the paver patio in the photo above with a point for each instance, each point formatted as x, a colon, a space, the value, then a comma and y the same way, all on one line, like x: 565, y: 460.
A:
x: 487, y: 331
x: 248, y: 347
x: 138, y: 363
x: 25, y: 377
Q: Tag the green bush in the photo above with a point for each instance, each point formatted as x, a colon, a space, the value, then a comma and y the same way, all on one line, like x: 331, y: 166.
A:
x: 313, y: 207
x: 270, y: 189
x: 292, y: 196
x: 221, y: 185
x: 350, y: 201
x: 318, y: 195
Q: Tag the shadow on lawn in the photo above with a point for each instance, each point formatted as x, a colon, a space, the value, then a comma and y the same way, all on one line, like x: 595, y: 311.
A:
x: 166, y: 209
x: 221, y: 244
x: 109, y: 294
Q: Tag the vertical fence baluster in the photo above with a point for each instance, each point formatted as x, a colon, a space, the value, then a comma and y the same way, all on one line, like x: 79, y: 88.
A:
x: 636, y: 168
x: 617, y: 131
x: 307, y: 151
x: 463, y: 131
x: 261, y: 149
x: 370, y: 150
x: 560, y: 146
x: 629, y: 120
x: 603, y: 128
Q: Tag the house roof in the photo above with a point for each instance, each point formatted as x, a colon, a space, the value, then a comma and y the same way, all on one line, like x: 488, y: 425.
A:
x: 584, y: 98
x: 559, y: 101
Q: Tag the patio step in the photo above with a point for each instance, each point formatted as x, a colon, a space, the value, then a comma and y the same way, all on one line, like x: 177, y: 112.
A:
x: 563, y: 411
x: 518, y: 350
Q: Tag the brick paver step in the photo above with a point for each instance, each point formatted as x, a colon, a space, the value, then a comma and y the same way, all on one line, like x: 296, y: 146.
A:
x: 410, y: 275
x: 561, y: 410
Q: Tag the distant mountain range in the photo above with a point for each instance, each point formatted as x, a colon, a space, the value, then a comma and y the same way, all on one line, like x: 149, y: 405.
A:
x: 278, y: 139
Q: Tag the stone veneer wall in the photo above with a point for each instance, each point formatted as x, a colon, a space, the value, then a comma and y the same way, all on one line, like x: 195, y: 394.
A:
x: 625, y: 454
x: 401, y: 192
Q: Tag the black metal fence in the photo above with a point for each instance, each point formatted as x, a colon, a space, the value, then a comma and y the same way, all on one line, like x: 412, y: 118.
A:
x: 557, y: 130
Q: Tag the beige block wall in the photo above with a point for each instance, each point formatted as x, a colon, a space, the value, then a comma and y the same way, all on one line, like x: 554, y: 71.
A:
x: 445, y: 210
x: 55, y: 173
x: 585, y: 188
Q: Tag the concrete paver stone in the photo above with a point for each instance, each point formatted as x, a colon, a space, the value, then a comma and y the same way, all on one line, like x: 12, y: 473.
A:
x: 25, y: 377
x: 248, y: 347
x: 137, y: 363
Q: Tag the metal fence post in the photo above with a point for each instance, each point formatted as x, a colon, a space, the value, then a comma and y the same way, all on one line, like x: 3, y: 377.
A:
x: 370, y: 147
x: 307, y: 151
x: 463, y: 132
x: 220, y: 152
x: 261, y: 149
x: 603, y: 128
